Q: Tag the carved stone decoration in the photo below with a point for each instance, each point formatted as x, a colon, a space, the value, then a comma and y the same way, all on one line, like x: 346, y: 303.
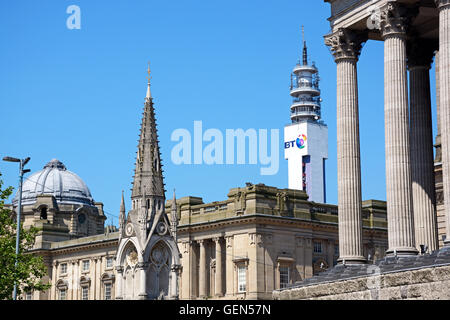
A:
x: 239, y: 202
x: 229, y: 241
x: 395, y: 19
x: 159, y: 255
x: 132, y: 257
x: 161, y: 228
x: 345, y: 44
x: 282, y: 199
x: 129, y: 229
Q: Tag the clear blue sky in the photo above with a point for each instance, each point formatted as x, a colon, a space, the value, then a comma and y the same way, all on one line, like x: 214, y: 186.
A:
x: 77, y: 95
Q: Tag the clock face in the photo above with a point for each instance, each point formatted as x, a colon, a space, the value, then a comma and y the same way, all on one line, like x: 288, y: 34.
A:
x: 81, y: 218
x: 129, y: 229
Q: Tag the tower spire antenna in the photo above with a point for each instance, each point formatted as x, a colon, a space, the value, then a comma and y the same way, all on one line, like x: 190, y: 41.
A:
x: 149, y: 95
x: 305, y: 50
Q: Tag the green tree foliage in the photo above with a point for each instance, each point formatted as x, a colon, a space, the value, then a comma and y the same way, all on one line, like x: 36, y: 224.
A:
x: 30, y: 268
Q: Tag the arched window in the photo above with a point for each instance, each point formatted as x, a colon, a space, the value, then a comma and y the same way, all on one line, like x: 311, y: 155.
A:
x: 43, y: 213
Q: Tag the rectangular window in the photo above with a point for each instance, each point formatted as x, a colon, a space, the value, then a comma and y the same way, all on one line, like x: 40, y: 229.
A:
x: 242, y: 279
x: 109, y: 262
x: 284, y: 277
x: 64, y: 268
x: 317, y: 247
x: 86, y: 265
x: 28, y: 296
x: 84, y: 293
x: 62, y: 294
x: 107, y: 291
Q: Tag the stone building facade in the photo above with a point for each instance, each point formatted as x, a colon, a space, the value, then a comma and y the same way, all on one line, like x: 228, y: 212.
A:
x: 260, y: 239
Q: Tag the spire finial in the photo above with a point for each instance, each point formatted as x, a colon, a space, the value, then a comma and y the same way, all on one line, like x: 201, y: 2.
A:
x: 305, y: 50
x: 149, y: 95
x: 303, y: 34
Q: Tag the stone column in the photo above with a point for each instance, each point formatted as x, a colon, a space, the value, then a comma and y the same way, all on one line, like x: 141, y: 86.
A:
x: 420, y: 57
x: 397, y: 141
x: 345, y: 47
x: 141, y: 266
x: 202, y: 270
x: 218, y: 279
x: 444, y: 91
x: 437, y: 144
x: 119, y: 282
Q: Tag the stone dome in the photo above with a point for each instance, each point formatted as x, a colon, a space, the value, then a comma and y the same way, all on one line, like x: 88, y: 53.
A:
x: 55, y: 180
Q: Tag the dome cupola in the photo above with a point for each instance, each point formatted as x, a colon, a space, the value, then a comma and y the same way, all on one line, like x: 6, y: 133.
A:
x: 55, y: 180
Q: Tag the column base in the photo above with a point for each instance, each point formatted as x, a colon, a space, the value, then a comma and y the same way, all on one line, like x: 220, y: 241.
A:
x: 402, y: 252
x: 352, y: 260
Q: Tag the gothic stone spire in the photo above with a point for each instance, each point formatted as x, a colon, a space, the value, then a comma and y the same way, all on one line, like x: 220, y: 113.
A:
x: 148, y: 178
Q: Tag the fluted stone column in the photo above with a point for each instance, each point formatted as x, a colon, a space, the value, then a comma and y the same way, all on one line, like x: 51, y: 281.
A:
x: 346, y: 47
x: 444, y: 86
x: 420, y: 56
x: 202, y: 270
x: 437, y: 144
x: 397, y: 139
x: 218, y: 279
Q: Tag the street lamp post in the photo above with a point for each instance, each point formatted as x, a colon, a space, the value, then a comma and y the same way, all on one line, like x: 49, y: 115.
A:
x: 22, y: 171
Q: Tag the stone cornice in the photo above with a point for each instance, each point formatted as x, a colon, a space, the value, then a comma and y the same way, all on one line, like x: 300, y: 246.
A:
x: 263, y: 219
x: 78, y: 247
x: 345, y: 44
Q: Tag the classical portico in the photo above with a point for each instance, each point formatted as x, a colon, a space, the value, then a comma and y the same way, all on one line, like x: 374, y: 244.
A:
x: 412, y: 36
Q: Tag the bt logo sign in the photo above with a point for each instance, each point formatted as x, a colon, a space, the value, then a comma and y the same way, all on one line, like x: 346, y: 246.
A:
x: 300, y: 142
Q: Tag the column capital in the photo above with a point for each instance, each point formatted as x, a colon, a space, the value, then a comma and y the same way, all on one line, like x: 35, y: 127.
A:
x: 395, y: 19
x: 201, y: 241
x: 216, y: 239
x: 441, y: 4
x: 345, y: 44
x: 420, y: 53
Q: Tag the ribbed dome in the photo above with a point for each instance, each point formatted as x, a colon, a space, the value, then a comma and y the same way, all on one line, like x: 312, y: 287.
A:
x: 57, y: 181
